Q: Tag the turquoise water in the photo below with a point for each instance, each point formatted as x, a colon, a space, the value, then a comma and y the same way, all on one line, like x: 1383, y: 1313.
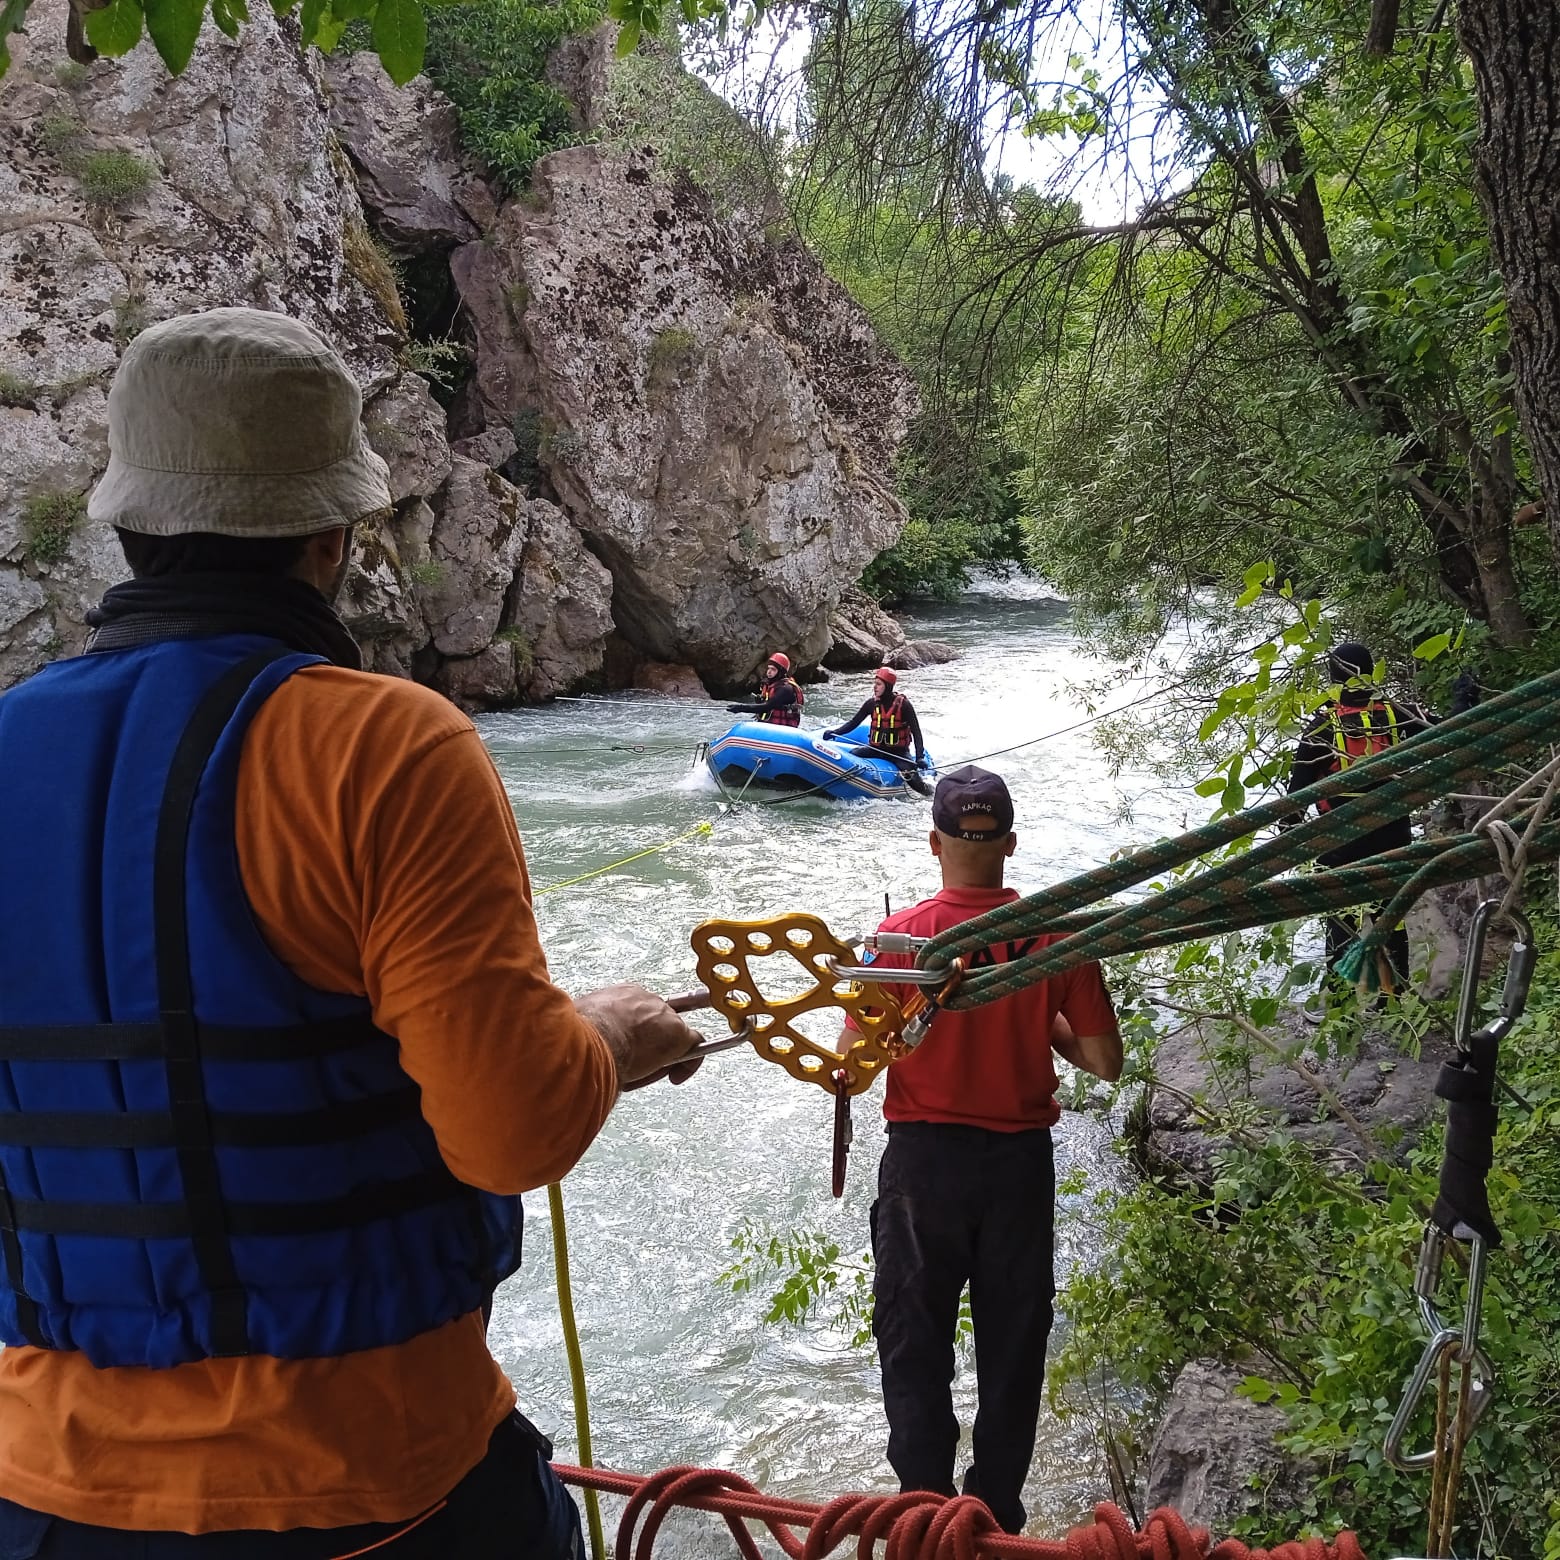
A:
x: 681, y: 1370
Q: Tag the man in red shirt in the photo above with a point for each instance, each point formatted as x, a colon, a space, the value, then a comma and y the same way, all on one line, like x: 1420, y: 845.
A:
x: 966, y: 1186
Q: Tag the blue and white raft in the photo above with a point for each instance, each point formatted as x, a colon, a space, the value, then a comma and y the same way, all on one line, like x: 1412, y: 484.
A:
x: 754, y: 753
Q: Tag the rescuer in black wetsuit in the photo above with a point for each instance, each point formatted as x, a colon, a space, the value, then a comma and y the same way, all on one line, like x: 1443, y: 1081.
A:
x: 780, y: 698
x: 893, y: 728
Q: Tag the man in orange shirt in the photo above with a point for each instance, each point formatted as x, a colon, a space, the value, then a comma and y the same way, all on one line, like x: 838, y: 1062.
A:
x: 966, y: 1185
x: 278, y: 1045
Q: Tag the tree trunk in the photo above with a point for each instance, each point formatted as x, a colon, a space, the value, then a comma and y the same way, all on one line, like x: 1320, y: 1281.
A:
x: 1515, y: 47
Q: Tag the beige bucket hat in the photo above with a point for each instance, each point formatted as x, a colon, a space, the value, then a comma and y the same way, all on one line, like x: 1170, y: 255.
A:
x: 239, y: 422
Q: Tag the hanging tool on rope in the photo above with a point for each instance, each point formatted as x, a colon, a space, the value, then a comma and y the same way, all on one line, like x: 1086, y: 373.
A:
x: 1462, y: 1213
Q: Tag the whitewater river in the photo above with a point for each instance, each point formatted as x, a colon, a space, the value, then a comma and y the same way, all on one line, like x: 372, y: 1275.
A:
x: 681, y: 1370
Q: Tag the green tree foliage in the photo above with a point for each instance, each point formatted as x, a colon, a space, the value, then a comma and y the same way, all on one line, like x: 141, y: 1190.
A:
x: 958, y: 469
x: 488, y: 58
x: 1302, y: 1272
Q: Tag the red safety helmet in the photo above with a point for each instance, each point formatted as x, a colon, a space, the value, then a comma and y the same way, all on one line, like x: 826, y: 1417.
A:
x: 781, y: 660
x: 886, y: 674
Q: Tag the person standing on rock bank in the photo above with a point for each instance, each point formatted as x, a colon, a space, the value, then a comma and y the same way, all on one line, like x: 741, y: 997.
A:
x: 278, y: 1045
x: 891, y: 729
x: 967, y: 1185
x: 780, y: 698
x: 1357, y: 725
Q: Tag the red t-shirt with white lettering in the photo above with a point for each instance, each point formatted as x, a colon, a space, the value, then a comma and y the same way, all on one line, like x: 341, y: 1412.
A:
x: 991, y: 1066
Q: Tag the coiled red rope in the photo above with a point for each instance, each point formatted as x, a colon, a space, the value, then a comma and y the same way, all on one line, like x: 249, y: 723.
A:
x: 920, y: 1526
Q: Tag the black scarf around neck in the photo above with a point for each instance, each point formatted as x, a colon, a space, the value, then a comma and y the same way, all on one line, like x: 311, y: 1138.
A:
x: 193, y: 606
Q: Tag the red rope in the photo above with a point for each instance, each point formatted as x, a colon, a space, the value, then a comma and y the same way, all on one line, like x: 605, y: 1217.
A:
x: 920, y: 1526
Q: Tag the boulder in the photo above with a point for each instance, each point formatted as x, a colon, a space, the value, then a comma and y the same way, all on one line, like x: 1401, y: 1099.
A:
x: 677, y: 682
x: 1215, y: 1457
x: 579, y: 68
x: 561, y: 608
x: 476, y: 544
x: 1389, y: 1094
x: 405, y: 425
x: 422, y: 191
x: 863, y: 634
x: 916, y: 653
x: 711, y: 411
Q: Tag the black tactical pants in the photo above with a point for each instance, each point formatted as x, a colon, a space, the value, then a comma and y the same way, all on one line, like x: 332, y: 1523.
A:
x: 961, y: 1205
x: 1341, y: 929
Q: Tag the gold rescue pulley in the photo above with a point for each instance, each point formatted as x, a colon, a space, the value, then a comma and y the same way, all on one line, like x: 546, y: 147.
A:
x: 880, y: 1029
x: 725, y: 952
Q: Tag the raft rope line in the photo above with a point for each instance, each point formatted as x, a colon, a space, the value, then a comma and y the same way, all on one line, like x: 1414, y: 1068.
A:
x: 706, y: 827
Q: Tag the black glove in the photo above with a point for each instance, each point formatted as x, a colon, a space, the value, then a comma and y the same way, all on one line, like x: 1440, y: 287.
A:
x: 828, y: 736
x: 736, y: 709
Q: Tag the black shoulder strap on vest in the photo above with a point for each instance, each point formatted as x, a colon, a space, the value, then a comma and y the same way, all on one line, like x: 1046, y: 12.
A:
x: 176, y: 1005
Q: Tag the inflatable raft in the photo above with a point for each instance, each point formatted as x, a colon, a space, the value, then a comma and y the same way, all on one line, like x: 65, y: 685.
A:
x: 754, y: 753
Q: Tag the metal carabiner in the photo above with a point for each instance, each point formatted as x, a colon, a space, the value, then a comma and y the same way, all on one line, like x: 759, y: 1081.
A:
x: 886, y: 975
x: 921, y: 1009
x: 1519, y: 977
x: 1462, y: 1341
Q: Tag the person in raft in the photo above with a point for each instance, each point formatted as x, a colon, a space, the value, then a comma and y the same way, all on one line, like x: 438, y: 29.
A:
x: 279, y: 1049
x: 892, y: 727
x: 780, y: 698
x: 966, y: 1184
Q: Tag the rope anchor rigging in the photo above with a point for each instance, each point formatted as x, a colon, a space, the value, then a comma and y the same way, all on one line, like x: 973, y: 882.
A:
x: 1462, y: 1213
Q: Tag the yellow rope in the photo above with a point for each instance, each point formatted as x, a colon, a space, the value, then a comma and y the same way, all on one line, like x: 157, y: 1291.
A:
x: 612, y: 866
x: 560, y: 1233
x: 571, y: 1343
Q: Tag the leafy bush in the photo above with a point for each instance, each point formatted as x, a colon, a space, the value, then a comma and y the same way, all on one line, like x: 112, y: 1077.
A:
x: 653, y: 100
x: 114, y: 177
x: 61, y: 135
x: 670, y: 351
x: 49, y: 520
x: 932, y: 560
x: 441, y: 361
x: 488, y: 58
x: 1304, y: 1273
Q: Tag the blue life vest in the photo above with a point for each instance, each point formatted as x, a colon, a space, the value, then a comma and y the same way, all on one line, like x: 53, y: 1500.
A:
x: 200, y: 1155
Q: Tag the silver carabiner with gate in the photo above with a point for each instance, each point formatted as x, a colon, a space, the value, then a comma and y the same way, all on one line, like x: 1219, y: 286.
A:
x: 1462, y: 1209
x: 1463, y: 1342
x: 887, y: 975
x: 1519, y: 977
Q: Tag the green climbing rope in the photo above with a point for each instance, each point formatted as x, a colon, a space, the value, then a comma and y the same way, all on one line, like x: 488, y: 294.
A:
x: 1248, y: 889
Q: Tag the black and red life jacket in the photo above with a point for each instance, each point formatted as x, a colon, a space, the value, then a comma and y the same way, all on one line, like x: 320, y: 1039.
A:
x: 1358, y: 732
x: 791, y: 714
x: 889, y: 729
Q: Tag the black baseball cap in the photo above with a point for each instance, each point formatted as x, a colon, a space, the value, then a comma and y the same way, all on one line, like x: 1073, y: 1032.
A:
x: 973, y: 804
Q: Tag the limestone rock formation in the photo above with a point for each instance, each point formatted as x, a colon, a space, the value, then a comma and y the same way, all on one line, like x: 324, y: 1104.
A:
x: 1215, y: 1457
x: 676, y: 434
x: 126, y: 197
x: 725, y: 464
x: 1385, y: 1092
x: 418, y: 187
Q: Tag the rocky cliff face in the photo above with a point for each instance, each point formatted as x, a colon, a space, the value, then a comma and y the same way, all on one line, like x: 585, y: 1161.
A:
x: 674, y: 437
x: 729, y: 477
